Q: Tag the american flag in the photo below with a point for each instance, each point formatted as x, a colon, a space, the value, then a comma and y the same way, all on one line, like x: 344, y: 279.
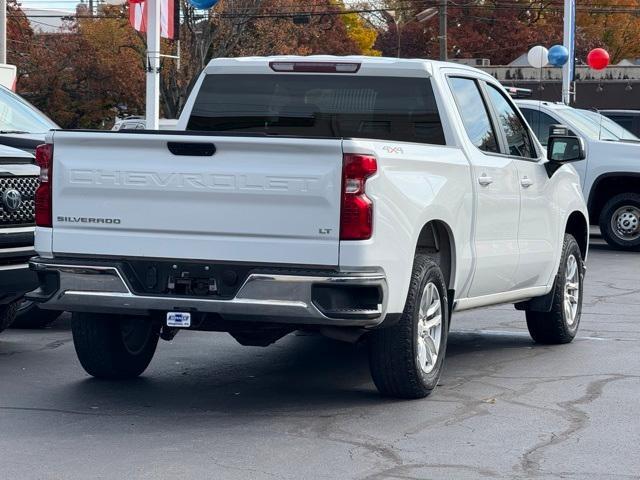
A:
x: 169, y: 17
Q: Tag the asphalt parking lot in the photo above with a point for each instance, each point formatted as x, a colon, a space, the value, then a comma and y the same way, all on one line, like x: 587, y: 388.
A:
x: 306, y: 408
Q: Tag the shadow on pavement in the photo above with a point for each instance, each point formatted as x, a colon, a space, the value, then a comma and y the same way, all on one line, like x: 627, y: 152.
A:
x: 307, y: 374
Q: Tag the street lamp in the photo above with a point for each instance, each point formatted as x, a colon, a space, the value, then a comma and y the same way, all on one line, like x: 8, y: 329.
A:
x: 427, y: 14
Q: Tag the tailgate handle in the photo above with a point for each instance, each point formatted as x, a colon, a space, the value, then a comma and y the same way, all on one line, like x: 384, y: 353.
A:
x: 192, y: 149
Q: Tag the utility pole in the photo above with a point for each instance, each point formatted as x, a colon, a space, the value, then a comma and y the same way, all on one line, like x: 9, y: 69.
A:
x: 3, y: 31
x: 153, y: 64
x: 443, y: 30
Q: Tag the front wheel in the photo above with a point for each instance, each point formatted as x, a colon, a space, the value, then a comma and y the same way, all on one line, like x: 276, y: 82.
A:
x: 620, y: 221
x: 114, y: 346
x: 406, y: 360
x: 560, y: 324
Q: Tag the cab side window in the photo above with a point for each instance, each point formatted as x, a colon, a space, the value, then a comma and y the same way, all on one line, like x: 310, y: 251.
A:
x: 545, y: 122
x: 533, y: 119
x: 474, y: 113
x: 517, y: 135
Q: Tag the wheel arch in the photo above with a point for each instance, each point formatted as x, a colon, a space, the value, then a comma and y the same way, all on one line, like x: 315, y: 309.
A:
x: 606, y: 186
x: 436, y: 239
x: 578, y: 226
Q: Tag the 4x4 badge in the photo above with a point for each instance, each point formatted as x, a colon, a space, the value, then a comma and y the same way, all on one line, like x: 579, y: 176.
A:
x: 12, y: 199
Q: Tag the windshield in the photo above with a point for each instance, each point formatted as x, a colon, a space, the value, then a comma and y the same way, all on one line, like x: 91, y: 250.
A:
x: 385, y: 108
x: 586, y: 125
x: 611, y: 126
x: 18, y: 115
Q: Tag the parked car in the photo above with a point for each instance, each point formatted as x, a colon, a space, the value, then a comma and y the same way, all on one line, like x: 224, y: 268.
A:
x: 18, y: 182
x: 610, y: 173
x: 629, y: 119
x: 357, y: 197
x: 22, y: 125
x: 139, y: 123
x: 129, y: 123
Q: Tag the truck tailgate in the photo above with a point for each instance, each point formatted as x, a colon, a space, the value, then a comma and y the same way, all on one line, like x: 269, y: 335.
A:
x: 256, y: 199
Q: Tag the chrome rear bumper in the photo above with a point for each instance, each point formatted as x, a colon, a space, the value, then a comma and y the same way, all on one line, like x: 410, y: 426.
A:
x: 277, y: 298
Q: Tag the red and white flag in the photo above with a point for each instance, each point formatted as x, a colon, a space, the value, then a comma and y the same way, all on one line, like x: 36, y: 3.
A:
x: 169, y: 17
x: 138, y: 15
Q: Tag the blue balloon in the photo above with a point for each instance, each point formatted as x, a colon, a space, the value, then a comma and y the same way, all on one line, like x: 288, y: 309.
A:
x: 203, y: 4
x: 558, y: 55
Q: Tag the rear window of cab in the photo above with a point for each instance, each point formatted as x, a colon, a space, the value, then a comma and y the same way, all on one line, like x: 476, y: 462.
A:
x: 333, y: 106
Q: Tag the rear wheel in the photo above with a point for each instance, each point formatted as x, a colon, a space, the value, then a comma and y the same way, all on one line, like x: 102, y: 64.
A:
x: 560, y: 325
x: 620, y: 221
x: 407, y: 359
x: 7, y: 314
x: 31, y: 316
x: 114, y: 346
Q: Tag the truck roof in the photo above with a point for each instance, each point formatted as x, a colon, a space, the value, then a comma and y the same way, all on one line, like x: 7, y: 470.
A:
x: 383, y: 66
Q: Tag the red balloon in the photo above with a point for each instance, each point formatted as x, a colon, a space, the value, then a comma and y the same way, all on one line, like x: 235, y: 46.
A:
x: 136, y: 1
x: 598, y: 59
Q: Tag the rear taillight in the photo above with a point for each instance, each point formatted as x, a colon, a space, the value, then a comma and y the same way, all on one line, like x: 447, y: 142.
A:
x: 44, y: 159
x: 356, y: 215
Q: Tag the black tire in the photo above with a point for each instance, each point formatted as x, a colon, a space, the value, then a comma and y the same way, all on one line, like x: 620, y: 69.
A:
x: 31, y: 316
x: 7, y: 315
x: 393, y: 351
x: 101, y: 347
x: 556, y: 326
x: 629, y: 205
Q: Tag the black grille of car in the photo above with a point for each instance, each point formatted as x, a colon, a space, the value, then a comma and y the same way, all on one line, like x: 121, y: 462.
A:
x: 23, y: 215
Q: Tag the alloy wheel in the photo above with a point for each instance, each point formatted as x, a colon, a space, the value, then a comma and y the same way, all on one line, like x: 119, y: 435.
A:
x: 429, y: 328
x: 571, y: 290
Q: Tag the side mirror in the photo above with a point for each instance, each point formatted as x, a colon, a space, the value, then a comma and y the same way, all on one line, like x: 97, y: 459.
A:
x: 565, y: 149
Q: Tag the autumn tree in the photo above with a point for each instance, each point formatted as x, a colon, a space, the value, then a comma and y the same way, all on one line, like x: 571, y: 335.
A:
x: 360, y: 31
x: 203, y: 35
x: 82, y: 74
x: 318, y: 30
x: 256, y: 27
x: 498, y: 30
x: 115, y: 72
x: 617, y: 31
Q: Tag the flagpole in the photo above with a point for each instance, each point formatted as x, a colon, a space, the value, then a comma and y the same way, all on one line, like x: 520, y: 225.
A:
x: 569, y: 43
x: 153, y: 65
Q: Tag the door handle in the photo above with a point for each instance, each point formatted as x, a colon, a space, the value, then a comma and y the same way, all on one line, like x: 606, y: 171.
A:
x: 485, y: 180
x: 526, y: 182
x: 192, y: 149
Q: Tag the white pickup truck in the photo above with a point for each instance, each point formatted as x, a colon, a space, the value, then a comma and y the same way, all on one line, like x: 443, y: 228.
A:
x: 362, y: 198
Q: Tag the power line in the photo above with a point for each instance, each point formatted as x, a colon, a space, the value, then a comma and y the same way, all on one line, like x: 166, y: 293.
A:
x: 552, y: 7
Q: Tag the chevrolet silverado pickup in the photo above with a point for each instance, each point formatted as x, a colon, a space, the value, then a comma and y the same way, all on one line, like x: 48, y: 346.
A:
x: 361, y: 198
